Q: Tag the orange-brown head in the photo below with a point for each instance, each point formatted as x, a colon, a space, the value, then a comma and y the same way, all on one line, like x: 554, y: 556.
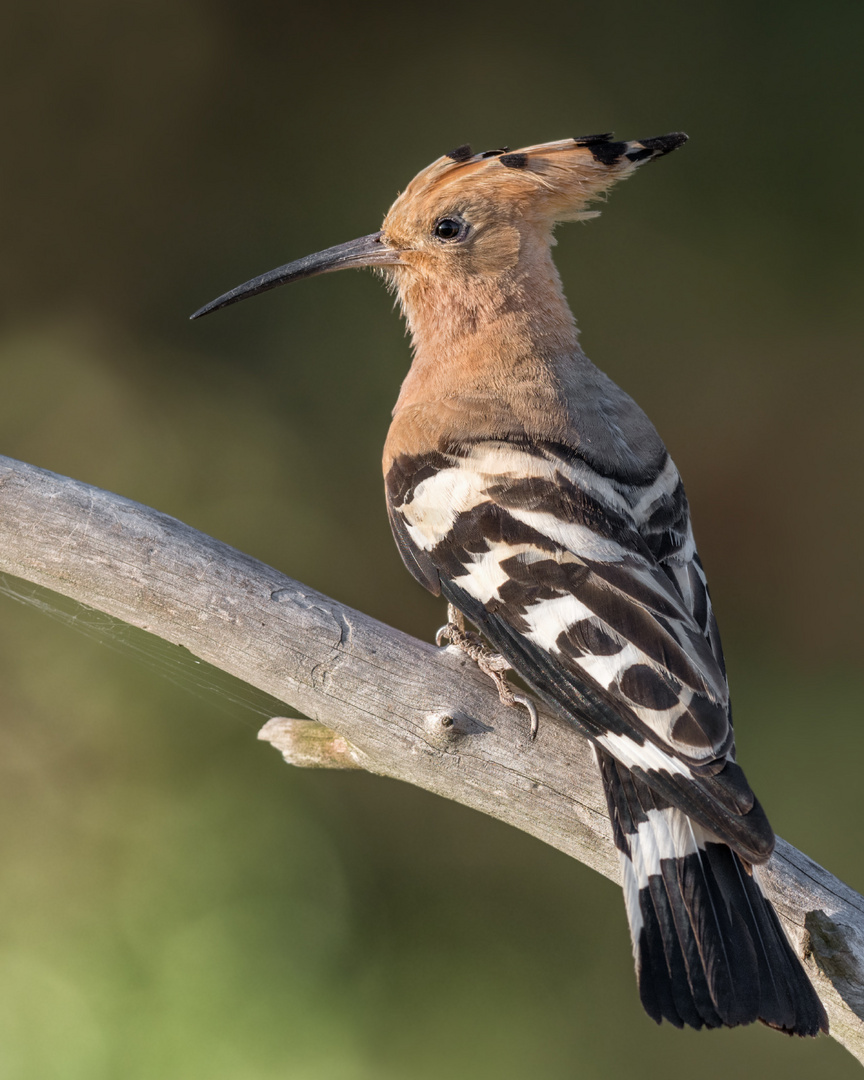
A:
x: 477, y: 216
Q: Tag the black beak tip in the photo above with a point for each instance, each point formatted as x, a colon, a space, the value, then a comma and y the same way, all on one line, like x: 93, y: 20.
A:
x: 221, y: 301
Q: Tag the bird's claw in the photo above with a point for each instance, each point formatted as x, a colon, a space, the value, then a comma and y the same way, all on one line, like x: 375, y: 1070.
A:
x: 520, y: 699
x: 507, y: 697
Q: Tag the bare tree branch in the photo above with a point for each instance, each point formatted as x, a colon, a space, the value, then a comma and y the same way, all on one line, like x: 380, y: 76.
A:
x: 396, y: 706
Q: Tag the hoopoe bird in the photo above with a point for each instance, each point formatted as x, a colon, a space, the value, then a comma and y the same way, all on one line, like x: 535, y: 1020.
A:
x: 537, y: 498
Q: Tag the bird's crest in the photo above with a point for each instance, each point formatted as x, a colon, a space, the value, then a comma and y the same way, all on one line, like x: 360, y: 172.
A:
x: 554, y: 181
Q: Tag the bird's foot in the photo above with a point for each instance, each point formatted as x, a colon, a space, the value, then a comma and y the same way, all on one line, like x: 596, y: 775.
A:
x: 492, y: 664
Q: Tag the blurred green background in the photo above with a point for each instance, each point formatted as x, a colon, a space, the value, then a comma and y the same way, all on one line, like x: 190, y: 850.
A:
x: 175, y: 902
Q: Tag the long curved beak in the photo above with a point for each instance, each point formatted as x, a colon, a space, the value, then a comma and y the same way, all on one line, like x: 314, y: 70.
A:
x: 366, y: 251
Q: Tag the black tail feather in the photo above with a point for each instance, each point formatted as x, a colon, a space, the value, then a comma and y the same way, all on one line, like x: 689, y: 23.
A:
x: 709, y: 948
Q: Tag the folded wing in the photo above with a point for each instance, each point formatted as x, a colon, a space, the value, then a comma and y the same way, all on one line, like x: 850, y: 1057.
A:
x: 593, y: 591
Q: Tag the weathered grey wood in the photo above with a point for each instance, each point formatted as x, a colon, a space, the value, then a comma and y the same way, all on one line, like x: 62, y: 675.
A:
x: 401, y: 707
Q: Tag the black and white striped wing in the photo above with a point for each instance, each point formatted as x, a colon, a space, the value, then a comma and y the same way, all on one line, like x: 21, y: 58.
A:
x: 592, y: 590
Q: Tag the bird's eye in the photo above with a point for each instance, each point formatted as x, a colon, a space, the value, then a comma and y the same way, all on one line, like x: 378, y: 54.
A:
x: 449, y: 228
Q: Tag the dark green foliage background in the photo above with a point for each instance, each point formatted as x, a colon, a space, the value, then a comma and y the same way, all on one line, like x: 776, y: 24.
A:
x: 175, y: 902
